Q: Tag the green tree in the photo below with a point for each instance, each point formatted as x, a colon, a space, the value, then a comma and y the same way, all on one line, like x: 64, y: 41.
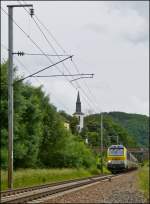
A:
x: 73, y: 124
x: 4, y: 113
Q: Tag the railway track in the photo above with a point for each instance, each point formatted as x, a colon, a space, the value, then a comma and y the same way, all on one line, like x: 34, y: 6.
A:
x: 25, y: 189
x: 25, y: 195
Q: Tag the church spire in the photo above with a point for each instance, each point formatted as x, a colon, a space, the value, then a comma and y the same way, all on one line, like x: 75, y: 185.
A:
x: 78, y: 98
x: 79, y: 114
x: 78, y: 104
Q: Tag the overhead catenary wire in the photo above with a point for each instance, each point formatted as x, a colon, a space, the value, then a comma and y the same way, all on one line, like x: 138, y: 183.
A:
x: 24, y: 33
x: 48, y: 31
x: 38, y: 47
x: 87, y: 98
x: 57, y: 54
x: 32, y: 41
x: 49, y: 43
x: 93, y: 97
x: 62, y: 50
x: 37, y: 79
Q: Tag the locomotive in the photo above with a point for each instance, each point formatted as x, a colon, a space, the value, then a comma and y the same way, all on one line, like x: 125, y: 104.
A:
x: 120, y: 159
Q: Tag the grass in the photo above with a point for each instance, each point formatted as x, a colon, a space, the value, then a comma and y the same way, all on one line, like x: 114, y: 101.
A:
x: 143, y: 179
x: 31, y: 177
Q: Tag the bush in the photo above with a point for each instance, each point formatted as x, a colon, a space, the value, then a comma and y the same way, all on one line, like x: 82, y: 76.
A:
x: 73, y: 153
x: 4, y: 158
x: 143, y: 180
x: 77, y: 154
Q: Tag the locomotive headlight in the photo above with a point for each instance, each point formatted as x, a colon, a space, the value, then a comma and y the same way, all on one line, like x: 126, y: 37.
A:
x: 109, y: 161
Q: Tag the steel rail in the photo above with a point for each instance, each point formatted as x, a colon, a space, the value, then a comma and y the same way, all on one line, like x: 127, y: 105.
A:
x: 53, y: 189
x: 26, y: 189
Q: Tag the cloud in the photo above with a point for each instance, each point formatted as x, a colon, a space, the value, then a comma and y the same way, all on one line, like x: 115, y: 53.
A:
x: 132, y: 20
x: 141, y: 7
x: 139, y: 105
x: 97, y: 28
x: 127, y: 23
x: 137, y: 37
x: 133, y: 28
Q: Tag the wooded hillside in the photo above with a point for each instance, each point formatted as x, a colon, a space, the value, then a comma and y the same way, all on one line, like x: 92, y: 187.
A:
x: 111, y: 130
x: 137, y: 125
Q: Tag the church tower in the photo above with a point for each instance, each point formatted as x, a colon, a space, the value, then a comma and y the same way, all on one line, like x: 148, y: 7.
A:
x: 79, y: 114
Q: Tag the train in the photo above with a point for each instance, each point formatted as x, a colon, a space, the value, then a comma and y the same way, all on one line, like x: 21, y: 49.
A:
x: 119, y: 159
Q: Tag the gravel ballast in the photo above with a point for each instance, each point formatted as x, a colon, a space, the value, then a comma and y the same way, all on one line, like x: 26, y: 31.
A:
x: 122, y: 189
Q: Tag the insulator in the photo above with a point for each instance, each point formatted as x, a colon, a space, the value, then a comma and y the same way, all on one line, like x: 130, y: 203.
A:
x: 20, y: 53
x: 31, y: 12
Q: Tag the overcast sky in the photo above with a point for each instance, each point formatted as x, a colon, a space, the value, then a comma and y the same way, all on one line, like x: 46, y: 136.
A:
x: 109, y: 39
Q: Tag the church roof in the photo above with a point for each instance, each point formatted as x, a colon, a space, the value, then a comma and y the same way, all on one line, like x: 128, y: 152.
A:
x: 78, y: 98
x: 78, y: 106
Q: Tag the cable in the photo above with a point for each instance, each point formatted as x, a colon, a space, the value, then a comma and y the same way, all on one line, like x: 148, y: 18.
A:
x: 19, y: 61
x: 49, y: 32
x: 32, y: 41
x: 49, y: 43
x: 55, y: 51
x: 29, y: 37
x: 38, y: 46
x: 93, y: 97
x: 59, y: 46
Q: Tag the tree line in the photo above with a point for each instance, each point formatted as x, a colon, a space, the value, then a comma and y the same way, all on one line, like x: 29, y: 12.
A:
x: 40, y: 138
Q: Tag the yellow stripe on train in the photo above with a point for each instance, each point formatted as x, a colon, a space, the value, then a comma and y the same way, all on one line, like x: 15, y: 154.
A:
x: 116, y: 158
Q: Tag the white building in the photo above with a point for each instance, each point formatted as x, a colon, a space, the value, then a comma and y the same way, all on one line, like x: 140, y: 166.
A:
x: 79, y: 114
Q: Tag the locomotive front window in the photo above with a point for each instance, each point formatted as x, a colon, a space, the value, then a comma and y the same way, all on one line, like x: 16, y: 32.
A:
x: 116, y: 152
